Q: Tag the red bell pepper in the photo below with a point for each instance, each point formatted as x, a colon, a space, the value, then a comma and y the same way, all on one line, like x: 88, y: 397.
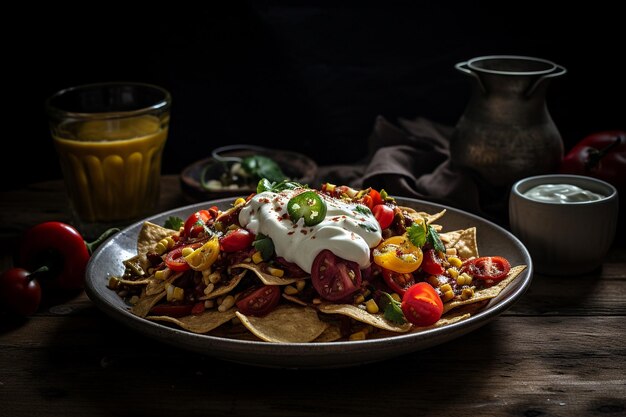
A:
x: 600, y: 155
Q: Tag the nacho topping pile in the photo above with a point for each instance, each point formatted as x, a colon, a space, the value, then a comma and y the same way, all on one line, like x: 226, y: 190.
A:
x: 291, y: 264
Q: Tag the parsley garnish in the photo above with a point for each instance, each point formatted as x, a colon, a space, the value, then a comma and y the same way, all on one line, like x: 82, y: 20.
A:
x: 362, y: 209
x: 392, y: 309
x: 173, y: 223
x: 267, y: 185
x: 434, y: 239
x: 417, y: 234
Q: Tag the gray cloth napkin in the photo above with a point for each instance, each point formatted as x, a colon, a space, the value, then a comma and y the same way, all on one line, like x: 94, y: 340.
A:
x: 412, y: 159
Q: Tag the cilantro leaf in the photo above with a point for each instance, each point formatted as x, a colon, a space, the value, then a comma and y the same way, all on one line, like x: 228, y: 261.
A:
x: 392, y: 309
x: 434, y: 239
x: 363, y: 210
x: 267, y: 185
x: 265, y: 245
x: 417, y: 234
x: 173, y: 223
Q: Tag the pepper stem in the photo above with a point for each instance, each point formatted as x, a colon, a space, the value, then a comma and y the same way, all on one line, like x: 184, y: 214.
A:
x: 596, y: 155
x: 92, y: 246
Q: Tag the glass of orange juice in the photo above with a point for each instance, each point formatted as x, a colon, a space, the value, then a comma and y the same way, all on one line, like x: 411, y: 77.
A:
x: 110, y: 138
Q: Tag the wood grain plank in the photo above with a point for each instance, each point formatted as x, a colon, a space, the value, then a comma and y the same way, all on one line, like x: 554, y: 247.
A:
x: 93, y: 368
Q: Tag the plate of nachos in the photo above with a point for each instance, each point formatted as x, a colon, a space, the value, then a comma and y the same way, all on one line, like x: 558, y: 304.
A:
x: 296, y: 277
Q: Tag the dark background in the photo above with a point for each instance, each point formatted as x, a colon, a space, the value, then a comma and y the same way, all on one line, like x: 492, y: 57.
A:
x: 304, y: 76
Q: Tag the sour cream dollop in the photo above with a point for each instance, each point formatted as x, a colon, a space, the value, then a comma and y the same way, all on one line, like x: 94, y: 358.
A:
x: 561, y: 193
x: 349, y: 230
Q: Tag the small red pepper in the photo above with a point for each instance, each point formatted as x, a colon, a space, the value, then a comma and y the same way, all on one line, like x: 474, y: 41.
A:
x: 600, y: 155
x: 62, y: 249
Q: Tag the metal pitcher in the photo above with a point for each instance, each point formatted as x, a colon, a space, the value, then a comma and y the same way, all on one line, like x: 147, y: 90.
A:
x: 506, y: 132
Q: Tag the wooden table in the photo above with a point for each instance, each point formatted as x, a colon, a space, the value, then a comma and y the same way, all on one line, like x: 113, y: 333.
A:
x: 559, y: 351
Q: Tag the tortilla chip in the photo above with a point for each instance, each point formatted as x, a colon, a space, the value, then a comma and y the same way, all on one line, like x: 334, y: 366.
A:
x: 155, y: 286
x: 286, y: 324
x: 199, y: 323
x: 376, y: 320
x: 414, y: 214
x: 444, y: 321
x: 226, y: 288
x: 331, y: 334
x: 486, y: 293
x: 146, y: 302
x: 267, y: 279
x: 149, y: 235
x: 464, y: 241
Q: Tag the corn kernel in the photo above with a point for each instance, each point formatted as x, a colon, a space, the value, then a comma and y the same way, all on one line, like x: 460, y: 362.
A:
x: 455, y: 261
x: 133, y: 300
x: 453, y: 272
x: 257, y: 257
x: 467, y: 293
x: 275, y: 271
x: 359, y: 299
x: 290, y: 290
x: 227, y: 303
x: 300, y: 284
x: 162, y: 274
x: 450, y: 251
x: 360, y: 335
x: 209, y: 304
x: 239, y: 201
x: 209, y: 289
x: 371, y: 306
x: 186, y: 252
x: 396, y: 297
x: 447, y: 296
x: 468, y: 278
x: 114, y: 282
x: 445, y: 288
x: 174, y: 293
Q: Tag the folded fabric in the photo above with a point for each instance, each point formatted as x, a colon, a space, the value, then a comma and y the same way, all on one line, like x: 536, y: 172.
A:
x: 412, y: 159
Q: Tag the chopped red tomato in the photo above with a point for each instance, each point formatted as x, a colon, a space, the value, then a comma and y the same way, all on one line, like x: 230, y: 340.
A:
x: 175, y: 260
x: 236, y: 240
x: 432, y: 263
x: 487, y: 268
x: 259, y: 301
x: 422, y: 305
x: 334, y: 278
x: 384, y: 214
x: 194, y: 224
x: 398, y: 282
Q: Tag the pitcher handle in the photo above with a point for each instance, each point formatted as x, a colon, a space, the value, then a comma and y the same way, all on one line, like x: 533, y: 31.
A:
x: 558, y: 70
x: 462, y: 66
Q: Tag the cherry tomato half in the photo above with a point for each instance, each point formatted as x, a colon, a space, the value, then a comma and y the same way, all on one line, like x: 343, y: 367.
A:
x: 259, y: 301
x: 236, y: 240
x: 422, y: 305
x: 398, y: 282
x: 398, y: 254
x: 193, y: 225
x: 175, y: 260
x: 488, y: 268
x: 432, y: 263
x: 334, y: 278
x: 384, y: 214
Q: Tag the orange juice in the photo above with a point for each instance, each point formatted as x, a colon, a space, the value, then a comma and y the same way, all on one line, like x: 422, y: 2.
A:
x: 112, y: 166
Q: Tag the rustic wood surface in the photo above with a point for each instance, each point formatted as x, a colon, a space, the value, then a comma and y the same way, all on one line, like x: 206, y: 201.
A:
x: 559, y: 351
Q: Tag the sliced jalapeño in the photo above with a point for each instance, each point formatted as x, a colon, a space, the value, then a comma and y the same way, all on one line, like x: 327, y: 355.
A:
x: 307, y: 205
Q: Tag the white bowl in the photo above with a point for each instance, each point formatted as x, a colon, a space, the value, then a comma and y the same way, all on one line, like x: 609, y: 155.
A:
x: 564, y: 238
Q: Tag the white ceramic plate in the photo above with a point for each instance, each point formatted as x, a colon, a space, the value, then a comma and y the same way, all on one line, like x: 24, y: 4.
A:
x: 492, y: 240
